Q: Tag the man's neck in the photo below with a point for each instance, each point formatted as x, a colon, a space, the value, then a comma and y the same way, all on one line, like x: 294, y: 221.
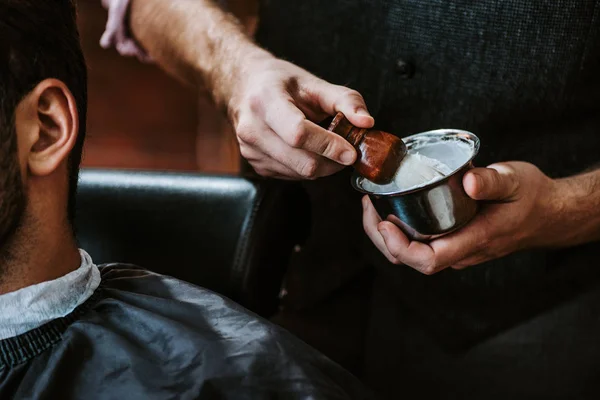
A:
x: 37, y: 253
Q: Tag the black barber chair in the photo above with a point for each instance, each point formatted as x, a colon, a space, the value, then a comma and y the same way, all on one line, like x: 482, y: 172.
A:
x: 228, y: 234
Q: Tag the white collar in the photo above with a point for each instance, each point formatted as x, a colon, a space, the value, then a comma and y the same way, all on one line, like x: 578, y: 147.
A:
x: 33, y: 306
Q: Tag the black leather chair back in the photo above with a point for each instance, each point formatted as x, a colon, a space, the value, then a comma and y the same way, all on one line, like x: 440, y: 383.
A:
x: 228, y: 234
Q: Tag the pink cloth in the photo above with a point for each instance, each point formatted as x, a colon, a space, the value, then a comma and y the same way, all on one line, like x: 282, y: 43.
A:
x: 117, y: 32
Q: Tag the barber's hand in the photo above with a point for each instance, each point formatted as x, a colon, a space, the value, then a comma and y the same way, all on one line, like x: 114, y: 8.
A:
x: 519, y: 205
x: 275, y: 109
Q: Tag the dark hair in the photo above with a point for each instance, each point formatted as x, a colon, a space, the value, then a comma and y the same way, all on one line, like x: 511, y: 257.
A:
x: 39, y: 40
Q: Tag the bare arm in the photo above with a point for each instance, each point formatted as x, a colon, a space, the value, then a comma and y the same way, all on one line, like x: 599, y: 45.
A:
x: 273, y: 105
x: 195, y: 40
x: 578, y: 209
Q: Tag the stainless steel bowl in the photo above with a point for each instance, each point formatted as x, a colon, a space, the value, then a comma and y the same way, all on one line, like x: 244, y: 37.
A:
x: 440, y: 207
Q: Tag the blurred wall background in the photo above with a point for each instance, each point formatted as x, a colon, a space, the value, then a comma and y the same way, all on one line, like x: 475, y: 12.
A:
x: 141, y: 118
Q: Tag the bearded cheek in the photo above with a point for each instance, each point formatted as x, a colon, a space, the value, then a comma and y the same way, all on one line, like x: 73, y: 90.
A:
x: 12, y: 199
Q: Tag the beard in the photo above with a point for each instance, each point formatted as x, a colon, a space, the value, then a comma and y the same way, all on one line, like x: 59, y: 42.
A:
x: 12, y: 195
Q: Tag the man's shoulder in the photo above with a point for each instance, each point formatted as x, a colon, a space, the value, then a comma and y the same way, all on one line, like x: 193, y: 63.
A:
x: 211, y: 342
x: 191, y: 313
x: 154, y: 296
x: 186, y: 307
x: 135, y: 279
x: 122, y: 270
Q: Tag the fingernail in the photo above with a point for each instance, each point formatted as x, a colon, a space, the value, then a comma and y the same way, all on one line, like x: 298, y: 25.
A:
x: 347, y: 157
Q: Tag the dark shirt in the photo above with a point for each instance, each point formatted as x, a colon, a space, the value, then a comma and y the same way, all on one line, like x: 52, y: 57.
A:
x: 525, y: 77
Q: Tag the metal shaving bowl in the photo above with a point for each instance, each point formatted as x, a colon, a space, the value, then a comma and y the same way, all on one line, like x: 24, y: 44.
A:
x: 440, y: 207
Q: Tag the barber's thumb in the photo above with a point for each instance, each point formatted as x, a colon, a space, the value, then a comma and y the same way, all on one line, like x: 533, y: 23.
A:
x: 498, y: 182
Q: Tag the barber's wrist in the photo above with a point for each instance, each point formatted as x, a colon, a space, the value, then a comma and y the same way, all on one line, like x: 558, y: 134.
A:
x: 234, y: 71
x: 575, y: 203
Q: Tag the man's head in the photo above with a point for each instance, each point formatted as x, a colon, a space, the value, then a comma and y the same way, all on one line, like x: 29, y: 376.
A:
x: 43, y: 100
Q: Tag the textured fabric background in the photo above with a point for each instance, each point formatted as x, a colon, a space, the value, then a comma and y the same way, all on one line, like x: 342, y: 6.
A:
x: 522, y: 75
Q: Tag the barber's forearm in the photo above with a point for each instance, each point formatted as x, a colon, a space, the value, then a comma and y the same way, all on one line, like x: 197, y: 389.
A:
x: 578, y: 209
x: 195, y: 40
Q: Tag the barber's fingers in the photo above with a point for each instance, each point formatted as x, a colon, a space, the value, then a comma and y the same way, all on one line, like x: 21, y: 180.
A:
x: 266, y: 166
x: 334, y: 98
x: 290, y: 123
x: 370, y: 222
x: 417, y: 255
x: 393, y: 243
x: 457, y: 250
x: 460, y: 249
x: 466, y: 247
x: 301, y: 163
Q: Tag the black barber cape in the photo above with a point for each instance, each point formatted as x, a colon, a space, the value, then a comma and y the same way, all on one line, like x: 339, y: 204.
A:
x: 147, y: 336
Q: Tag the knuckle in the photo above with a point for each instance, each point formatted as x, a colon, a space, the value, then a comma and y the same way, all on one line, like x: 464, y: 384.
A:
x: 396, y: 256
x: 429, y: 271
x: 506, y: 176
x: 485, y: 242
x: 245, y: 152
x: 496, y: 179
x: 355, y: 94
x: 245, y: 132
x: 255, y: 100
x: 251, y: 155
x: 514, y: 183
x: 309, y: 169
x: 248, y: 137
x: 297, y: 135
x: 327, y: 147
x: 429, y: 268
x: 352, y: 95
x: 395, y: 261
x: 264, y: 172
